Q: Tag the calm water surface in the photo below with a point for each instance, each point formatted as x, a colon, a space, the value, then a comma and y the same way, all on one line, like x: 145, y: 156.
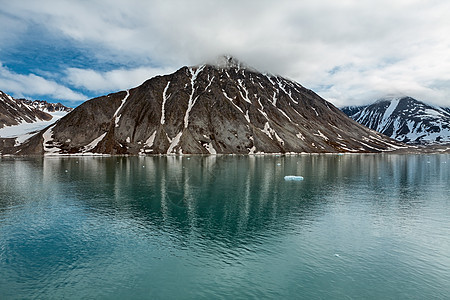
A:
x: 357, y: 227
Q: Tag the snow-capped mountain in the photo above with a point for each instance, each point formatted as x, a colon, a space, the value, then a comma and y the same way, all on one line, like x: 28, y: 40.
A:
x: 213, y: 108
x: 48, y: 107
x: 16, y: 111
x: 404, y: 119
x: 20, y: 118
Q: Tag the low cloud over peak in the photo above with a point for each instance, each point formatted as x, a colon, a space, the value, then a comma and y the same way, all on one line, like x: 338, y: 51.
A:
x: 350, y: 52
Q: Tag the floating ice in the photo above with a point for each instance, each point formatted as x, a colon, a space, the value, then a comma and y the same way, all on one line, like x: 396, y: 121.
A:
x: 293, y: 178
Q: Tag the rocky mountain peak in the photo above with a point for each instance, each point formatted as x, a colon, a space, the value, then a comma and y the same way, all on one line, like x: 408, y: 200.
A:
x: 208, y: 110
x: 227, y: 62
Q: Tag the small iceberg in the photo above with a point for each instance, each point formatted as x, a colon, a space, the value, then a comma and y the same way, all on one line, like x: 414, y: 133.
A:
x: 293, y: 178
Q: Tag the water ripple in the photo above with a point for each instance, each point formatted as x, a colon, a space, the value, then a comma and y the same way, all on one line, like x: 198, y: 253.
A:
x: 357, y: 226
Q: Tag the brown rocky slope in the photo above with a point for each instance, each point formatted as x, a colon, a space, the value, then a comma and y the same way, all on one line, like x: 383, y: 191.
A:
x: 208, y: 109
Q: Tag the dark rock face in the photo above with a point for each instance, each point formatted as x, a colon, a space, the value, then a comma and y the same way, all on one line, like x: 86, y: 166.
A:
x: 7, y: 145
x: 405, y: 119
x: 351, y: 110
x: 206, y: 110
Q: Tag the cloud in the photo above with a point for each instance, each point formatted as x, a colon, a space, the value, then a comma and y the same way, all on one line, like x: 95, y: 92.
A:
x: 11, y: 28
x: 19, y: 85
x: 114, y: 80
x: 347, y: 51
x: 420, y: 76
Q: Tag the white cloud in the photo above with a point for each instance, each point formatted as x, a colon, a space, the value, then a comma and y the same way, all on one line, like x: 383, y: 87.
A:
x: 374, y: 47
x: 111, y: 80
x: 11, y: 28
x: 19, y: 85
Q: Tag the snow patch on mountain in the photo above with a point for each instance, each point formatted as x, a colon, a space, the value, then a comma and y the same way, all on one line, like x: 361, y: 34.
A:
x: 387, y: 114
x: 26, y: 128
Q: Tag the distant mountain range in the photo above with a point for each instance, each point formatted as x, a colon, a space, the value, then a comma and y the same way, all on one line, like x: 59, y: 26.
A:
x: 223, y: 108
x: 404, y: 119
x: 21, y: 118
x: 16, y: 111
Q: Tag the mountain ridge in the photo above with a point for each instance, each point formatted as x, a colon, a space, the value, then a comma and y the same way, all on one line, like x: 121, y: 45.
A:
x: 14, y: 111
x: 207, y: 109
x: 20, y: 118
x: 404, y: 119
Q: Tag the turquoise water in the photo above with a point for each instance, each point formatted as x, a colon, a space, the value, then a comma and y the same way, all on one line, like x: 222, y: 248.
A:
x: 225, y: 227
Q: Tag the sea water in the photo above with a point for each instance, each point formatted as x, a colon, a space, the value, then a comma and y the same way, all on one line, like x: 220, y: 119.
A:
x: 225, y: 227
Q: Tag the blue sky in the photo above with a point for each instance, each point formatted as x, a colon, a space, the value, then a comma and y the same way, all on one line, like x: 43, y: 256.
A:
x: 349, y: 52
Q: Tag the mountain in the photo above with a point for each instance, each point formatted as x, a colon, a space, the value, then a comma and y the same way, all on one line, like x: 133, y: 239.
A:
x: 20, y: 118
x: 351, y: 110
x: 213, y: 108
x: 47, y: 107
x: 16, y: 111
x: 404, y: 119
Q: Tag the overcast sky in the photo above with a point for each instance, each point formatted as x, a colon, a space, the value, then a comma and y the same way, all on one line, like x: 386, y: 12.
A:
x: 348, y: 51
